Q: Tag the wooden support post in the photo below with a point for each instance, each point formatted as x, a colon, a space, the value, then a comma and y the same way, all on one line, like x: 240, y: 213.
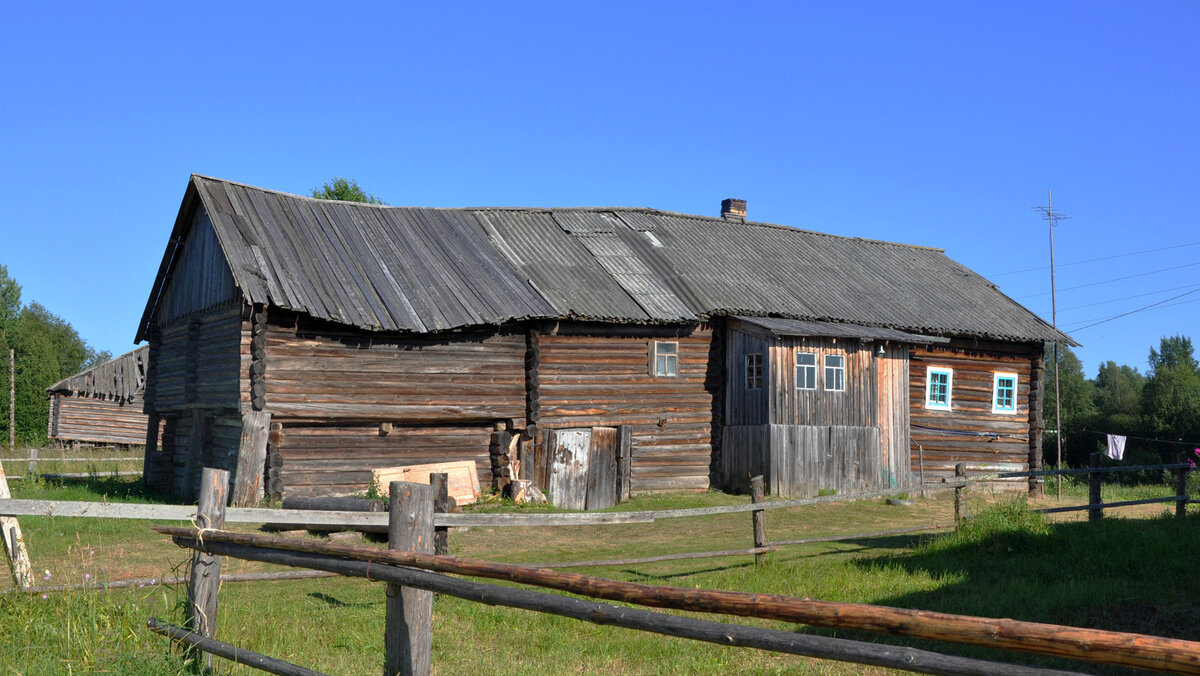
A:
x: 205, y: 579
x: 33, y: 458
x: 14, y: 542
x: 759, y: 517
x: 249, y: 480
x: 960, y: 494
x: 192, y: 461
x: 408, y: 618
x: 148, y: 456
x: 442, y: 504
x: 1095, y: 505
x: 1181, y: 485
x: 624, y: 460
x: 12, y: 401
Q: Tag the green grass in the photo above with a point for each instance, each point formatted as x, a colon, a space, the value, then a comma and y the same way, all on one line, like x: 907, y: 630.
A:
x: 1007, y: 561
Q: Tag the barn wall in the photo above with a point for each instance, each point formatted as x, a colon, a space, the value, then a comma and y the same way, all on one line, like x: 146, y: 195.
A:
x: 745, y: 406
x: 200, y: 278
x: 954, y: 437
x: 855, y: 406
x: 324, y: 460
x: 592, y: 376
x: 98, y: 420
x: 323, y: 375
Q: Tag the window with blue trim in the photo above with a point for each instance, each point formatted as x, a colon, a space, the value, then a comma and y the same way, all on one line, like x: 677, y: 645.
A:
x: 806, y: 371
x: 1004, y: 393
x: 939, y: 384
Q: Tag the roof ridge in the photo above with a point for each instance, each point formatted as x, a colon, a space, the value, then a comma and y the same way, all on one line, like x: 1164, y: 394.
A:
x: 650, y: 210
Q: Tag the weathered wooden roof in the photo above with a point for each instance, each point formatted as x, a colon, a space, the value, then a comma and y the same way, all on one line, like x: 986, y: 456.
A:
x: 428, y: 269
x: 782, y: 326
x: 119, y: 379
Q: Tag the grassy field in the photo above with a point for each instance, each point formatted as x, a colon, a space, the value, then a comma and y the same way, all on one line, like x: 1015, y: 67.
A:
x: 1129, y: 573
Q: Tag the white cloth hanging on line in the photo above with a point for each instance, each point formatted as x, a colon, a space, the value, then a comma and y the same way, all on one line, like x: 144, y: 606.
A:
x: 1116, y: 447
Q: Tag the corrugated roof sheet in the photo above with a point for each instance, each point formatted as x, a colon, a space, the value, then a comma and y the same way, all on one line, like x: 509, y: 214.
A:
x: 120, y: 379
x: 427, y: 269
x: 781, y: 326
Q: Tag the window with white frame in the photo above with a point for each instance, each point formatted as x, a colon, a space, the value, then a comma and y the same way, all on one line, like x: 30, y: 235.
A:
x: 1004, y: 393
x: 664, y: 358
x: 754, y: 371
x: 835, y: 372
x: 806, y: 371
x: 938, y: 386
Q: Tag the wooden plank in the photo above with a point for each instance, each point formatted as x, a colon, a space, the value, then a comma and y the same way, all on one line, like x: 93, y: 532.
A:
x: 205, y: 579
x: 624, y: 470
x: 14, y: 542
x: 250, y: 475
x: 462, y: 478
x: 569, y: 467
x: 408, y: 617
x: 602, y: 469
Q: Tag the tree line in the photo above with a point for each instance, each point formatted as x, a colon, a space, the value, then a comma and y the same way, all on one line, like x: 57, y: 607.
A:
x: 46, y: 349
x: 1161, y: 404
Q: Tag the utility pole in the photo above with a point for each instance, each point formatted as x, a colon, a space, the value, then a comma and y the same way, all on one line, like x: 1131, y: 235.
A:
x: 12, y: 401
x: 1049, y: 214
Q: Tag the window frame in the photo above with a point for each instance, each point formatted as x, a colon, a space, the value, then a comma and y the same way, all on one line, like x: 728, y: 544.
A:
x: 670, y: 358
x: 816, y: 382
x: 932, y: 405
x: 996, y: 378
x: 753, y: 373
x: 840, y: 370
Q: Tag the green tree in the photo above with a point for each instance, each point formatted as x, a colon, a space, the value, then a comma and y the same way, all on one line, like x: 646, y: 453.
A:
x: 1077, y: 400
x: 345, y: 191
x: 1118, y: 395
x: 10, y: 299
x: 1170, y: 402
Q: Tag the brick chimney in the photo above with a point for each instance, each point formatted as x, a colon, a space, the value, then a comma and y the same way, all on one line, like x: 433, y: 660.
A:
x: 733, y: 209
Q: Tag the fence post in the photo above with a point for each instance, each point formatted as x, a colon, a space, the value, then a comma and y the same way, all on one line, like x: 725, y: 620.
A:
x: 442, y: 504
x: 408, y: 619
x: 759, y: 517
x: 1181, y: 486
x: 1095, y: 505
x: 205, y: 579
x: 960, y: 494
x: 31, y: 472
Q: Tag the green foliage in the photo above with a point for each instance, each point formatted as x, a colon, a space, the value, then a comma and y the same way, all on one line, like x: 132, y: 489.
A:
x: 345, y: 190
x: 47, y: 350
x: 1170, y: 402
x: 1118, y: 397
x: 1077, y: 400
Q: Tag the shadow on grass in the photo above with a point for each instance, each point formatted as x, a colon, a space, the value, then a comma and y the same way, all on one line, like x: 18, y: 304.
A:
x: 1126, y: 575
x: 95, y: 487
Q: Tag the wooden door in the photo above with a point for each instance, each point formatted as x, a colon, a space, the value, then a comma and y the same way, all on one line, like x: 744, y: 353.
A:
x: 569, y: 455
x: 583, y: 467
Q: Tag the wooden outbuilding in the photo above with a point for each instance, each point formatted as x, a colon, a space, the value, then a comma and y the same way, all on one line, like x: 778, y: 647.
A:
x: 597, y: 352
x: 101, y: 405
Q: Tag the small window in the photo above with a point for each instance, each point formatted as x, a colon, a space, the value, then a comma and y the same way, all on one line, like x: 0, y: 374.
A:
x: 754, y: 371
x: 938, y: 383
x: 806, y: 371
x: 835, y: 373
x: 664, y: 358
x: 1004, y: 393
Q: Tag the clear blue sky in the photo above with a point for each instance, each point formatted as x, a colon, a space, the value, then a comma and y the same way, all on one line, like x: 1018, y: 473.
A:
x: 933, y: 123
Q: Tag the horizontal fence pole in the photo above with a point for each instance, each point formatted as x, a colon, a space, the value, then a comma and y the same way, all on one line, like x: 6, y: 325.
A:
x: 42, y: 458
x: 158, y: 581
x: 876, y: 534
x: 229, y: 652
x: 721, y: 633
x: 1107, y: 647
x: 1109, y: 505
x: 655, y: 559
x: 99, y: 474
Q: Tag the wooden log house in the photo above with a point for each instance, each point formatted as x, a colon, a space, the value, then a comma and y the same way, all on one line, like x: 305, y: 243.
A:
x: 101, y: 405
x: 598, y: 352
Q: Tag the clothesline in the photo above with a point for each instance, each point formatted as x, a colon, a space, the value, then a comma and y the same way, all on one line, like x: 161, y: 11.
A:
x: 1193, y: 444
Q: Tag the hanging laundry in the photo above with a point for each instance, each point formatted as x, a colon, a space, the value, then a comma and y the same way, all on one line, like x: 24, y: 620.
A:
x: 1116, y: 447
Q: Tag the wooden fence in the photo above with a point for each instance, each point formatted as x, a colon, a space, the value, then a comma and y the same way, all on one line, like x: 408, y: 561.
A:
x: 35, y: 456
x: 412, y: 572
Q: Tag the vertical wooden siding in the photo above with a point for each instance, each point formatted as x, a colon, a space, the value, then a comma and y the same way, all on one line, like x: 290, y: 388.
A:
x: 97, y: 419
x: 971, y: 413
x: 855, y: 406
x: 200, y: 278
x: 745, y: 406
x: 892, y: 416
x: 603, y: 379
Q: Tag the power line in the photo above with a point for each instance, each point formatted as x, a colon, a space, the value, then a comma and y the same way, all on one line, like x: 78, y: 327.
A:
x: 1093, y: 260
x: 1141, y: 309
x: 1115, y: 279
x: 1160, y: 307
x: 1136, y: 295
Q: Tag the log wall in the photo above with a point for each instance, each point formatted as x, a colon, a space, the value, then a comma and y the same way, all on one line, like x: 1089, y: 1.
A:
x: 328, y: 460
x: 596, y: 377
x: 97, y: 420
x: 971, y: 414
